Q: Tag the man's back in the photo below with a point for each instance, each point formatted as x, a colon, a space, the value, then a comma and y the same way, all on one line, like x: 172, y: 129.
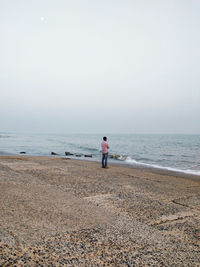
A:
x: 105, y: 147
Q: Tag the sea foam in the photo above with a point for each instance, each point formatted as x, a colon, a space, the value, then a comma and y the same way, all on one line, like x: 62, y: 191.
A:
x: 131, y: 161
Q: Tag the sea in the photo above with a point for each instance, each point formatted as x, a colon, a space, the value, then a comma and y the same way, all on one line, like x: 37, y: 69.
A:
x: 180, y: 153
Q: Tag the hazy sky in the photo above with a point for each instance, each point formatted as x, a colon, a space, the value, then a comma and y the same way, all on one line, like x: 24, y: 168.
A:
x: 113, y: 66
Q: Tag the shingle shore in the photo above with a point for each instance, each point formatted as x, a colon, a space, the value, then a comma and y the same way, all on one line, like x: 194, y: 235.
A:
x: 59, y: 212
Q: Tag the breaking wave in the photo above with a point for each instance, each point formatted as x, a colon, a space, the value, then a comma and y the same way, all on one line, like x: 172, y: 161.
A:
x: 131, y: 161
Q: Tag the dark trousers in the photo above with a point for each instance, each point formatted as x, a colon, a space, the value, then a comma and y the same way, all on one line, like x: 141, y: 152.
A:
x: 104, y: 160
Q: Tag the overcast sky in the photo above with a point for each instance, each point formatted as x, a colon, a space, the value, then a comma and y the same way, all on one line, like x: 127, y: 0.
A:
x: 113, y: 66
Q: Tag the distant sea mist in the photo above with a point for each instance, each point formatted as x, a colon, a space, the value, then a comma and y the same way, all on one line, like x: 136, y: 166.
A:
x: 161, y: 151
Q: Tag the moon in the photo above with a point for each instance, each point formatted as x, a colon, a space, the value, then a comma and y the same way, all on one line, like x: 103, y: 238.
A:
x: 43, y: 19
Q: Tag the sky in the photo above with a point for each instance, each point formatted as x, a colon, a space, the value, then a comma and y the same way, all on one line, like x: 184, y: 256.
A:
x: 109, y: 66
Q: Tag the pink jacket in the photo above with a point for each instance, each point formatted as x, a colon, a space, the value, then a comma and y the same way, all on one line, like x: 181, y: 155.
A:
x: 105, y: 147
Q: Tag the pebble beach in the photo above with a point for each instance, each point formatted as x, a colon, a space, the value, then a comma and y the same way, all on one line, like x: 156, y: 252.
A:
x: 63, y: 212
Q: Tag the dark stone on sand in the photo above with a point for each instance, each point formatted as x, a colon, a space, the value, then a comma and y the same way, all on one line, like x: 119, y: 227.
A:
x: 69, y: 154
x: 22, y: 152
x: 115, y: 156
x: 112, y: 156
x: 88, y: 156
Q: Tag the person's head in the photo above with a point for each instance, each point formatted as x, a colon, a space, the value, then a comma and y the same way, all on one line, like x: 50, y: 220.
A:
x: 105, y: 138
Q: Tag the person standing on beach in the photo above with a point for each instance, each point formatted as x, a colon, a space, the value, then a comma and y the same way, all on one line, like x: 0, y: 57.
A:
x: 105, y: 147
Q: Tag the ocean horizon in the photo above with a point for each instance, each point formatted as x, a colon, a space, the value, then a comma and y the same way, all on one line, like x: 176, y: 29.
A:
x: 172, y: 152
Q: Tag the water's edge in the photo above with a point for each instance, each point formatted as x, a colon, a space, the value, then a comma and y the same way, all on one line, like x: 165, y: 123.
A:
x: 161, y: 170
x: 176, y: 153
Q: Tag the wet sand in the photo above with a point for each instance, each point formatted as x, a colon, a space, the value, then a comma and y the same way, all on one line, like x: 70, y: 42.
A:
x: 62, y: 212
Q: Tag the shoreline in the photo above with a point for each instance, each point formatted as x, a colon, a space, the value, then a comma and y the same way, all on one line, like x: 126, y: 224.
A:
x: 174, y: 153
x: 58, y: 211
x: 161, y: 170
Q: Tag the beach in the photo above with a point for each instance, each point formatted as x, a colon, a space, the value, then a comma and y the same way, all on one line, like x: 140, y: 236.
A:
x: 57, y: 211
